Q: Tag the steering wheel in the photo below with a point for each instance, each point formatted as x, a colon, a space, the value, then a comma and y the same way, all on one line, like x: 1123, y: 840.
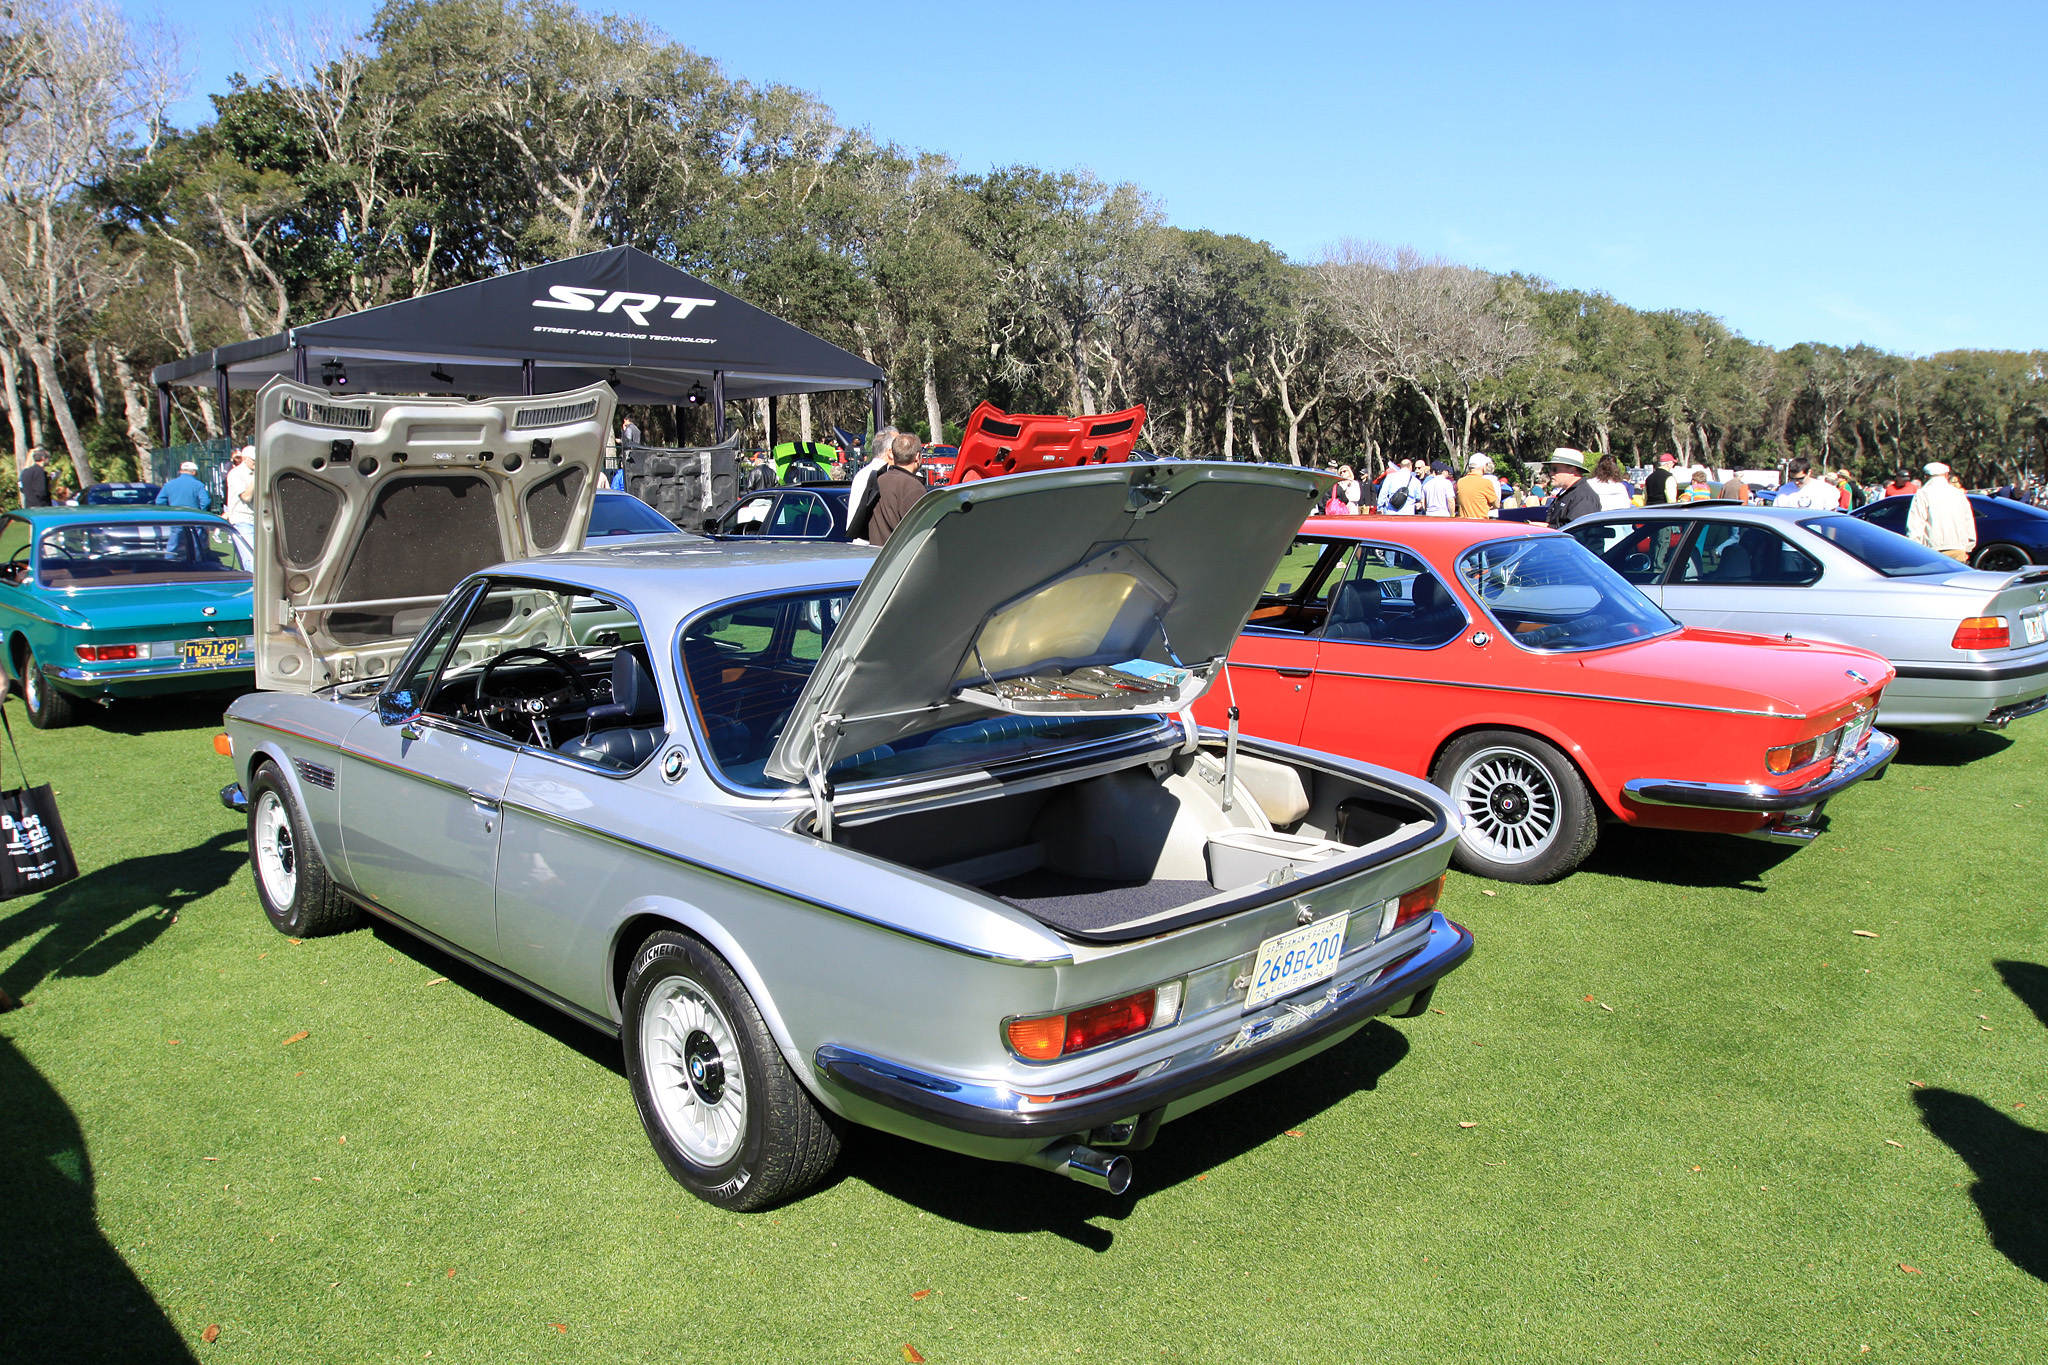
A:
x: 570, y: 692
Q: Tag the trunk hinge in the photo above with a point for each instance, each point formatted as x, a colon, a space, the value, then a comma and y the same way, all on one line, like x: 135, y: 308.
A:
x: 814, y: 777
x: 1230, y: 744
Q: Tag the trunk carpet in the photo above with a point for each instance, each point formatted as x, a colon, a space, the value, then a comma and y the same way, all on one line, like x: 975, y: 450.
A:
x: 1092, y: 905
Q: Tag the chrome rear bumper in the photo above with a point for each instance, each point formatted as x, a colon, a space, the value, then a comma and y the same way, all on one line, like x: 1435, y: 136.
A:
x: 1877, y: 752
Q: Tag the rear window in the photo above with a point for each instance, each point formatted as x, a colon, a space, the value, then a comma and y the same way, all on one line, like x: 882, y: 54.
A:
x: 1889, y: 553
x: 129, y: 553
x: 622, y: 514
x: 746, y: 666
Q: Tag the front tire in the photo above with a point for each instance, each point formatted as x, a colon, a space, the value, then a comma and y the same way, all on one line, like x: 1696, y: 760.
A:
x: 1529, y: 816
x: 48, y: 707
x: 726, y: 1116
x: 291, y: 881
x: 1999, y: 558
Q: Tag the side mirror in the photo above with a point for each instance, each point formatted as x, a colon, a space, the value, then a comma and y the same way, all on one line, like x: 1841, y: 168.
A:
x: 396, y: 708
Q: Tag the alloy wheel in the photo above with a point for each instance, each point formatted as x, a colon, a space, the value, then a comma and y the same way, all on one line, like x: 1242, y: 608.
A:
x: 694, y: 1071
x: 277, y: 860
x: 2000, y: 559
x: 1510, y: 804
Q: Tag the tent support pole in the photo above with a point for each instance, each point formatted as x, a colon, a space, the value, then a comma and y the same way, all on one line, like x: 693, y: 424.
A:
x: 220, y: 391
x: 299, y: 364
x: 880, y: 401
x: 526, y: 378
x: 717, y: 407
x: 163, y: 412
x: 772, y: 431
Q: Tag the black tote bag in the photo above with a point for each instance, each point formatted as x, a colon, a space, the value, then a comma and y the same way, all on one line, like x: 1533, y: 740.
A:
x: 35, y: 853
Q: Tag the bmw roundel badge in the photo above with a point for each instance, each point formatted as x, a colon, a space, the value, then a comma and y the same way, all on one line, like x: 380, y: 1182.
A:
x: 674, y: 764
x: 1856, y: 677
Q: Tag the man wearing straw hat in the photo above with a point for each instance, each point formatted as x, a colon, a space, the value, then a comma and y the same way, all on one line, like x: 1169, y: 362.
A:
x: 1574, y: 497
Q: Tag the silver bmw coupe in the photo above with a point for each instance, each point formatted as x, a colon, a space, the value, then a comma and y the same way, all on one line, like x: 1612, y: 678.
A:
x: 922, y: 839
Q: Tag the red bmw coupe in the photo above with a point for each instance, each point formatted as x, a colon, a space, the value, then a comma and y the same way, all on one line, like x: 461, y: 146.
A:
x: 1544, y: 693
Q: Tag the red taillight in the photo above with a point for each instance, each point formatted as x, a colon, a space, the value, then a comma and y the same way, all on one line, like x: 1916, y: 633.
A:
x: 100, y: 654
x: 1982, y: 632
x: 1417, y: 903
x: 1055, y: 1035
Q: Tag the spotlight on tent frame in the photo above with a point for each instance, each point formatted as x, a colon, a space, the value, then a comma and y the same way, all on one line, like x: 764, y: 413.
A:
x: 696, y: 395
x: 441, y: 374
x: 334, y: 374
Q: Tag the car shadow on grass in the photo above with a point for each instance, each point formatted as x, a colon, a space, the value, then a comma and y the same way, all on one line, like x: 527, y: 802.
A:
x: 1677, y: 858
x: 88, y: 926
x: 2009, y: 1158
x: 578, y: 1037
x: 1022, y: 1199
x: 1924, y: 749
x: 65, y: 1292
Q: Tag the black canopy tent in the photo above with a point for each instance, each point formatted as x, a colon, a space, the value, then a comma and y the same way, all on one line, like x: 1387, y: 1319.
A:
x: 656, y: 334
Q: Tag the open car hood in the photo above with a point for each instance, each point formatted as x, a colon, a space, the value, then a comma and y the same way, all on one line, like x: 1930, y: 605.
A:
x: 1088, y: 591
x: 995, y: 442
x: 369, y: 509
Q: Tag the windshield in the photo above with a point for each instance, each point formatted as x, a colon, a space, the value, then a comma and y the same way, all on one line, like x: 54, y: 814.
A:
x: 1551, y: 593
x: 746, y: 666
x: 136, y: 494
x: 1888, y: 552
x: 128, y: 553
x: 622, y: 514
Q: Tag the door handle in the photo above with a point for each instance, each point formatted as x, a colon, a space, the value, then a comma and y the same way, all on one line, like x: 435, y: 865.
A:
x: 1294, y: 672
x: 482, y: 801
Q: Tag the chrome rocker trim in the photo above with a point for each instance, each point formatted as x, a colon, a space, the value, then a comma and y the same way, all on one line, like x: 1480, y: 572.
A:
x: 1657, y: 791
x: 994, y: 1110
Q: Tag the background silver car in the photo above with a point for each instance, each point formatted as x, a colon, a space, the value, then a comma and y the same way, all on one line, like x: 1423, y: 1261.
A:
x: 1971, y: 648
x: 920, y: 839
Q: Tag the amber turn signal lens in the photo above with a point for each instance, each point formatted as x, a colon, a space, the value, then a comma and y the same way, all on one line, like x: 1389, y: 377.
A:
x: 1982, y: 632
x: 1039, y: 1040
x: 1787, y: 757
x: 223, y: 746
x: 1417, y: 903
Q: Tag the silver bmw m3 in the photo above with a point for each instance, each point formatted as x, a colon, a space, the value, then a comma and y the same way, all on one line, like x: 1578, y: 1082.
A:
x: 922, y: 839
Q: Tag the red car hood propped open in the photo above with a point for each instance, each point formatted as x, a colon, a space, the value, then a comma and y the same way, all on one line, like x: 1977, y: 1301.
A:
x: 998, y: 442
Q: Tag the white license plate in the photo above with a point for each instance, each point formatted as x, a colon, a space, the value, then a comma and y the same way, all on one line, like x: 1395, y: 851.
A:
x: 1300, y: 957
x: 2035, y: 624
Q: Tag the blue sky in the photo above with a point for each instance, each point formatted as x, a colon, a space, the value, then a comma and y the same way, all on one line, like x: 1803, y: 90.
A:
x: 1840, y: 173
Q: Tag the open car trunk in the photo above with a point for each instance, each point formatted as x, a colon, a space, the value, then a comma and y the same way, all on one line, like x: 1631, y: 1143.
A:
x: 1148, y: 848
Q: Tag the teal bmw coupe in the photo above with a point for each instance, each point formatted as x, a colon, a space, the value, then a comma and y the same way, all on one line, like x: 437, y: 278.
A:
x: 105, y: 602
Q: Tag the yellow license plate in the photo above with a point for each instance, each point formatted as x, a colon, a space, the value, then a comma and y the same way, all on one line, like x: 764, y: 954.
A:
x: 211, y: 653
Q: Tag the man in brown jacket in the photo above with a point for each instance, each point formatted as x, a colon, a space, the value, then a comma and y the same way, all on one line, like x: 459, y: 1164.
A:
x: 897, y: 488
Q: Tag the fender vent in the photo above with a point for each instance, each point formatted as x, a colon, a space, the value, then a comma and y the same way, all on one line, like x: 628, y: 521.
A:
x: 314, y: 774
x: 560, y: 415
x: 327, y: 415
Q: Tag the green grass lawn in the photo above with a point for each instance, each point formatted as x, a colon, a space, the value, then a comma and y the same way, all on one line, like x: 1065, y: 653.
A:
x: 1697, y: 1133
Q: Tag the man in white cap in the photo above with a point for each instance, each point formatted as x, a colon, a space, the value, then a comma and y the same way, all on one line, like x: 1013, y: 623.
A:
x: 241, y: 490
x: 1574, y: 497
x: 1478, y: 494
x: 185, y: 491
x: 1941, y: 518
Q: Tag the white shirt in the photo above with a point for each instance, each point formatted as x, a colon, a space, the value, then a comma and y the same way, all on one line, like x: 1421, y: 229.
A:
x: 1941, y: 517
x: 1612, y: 494
x: 241, y: 489
x: 1439, y: 497
x: 861, y: 479
x: 1815, y: 494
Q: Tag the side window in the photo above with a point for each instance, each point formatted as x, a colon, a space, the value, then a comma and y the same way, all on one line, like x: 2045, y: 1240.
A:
x: 749, y: 518
x: 1388, y: 596
x: 1639, y: 551
x: 1732, y: 554
x: 1297, y: 596
x: 14, y: 543
x: 1891, y: 515
x: 745, y: 667
x: 410, y: 688
x: 801, y: 514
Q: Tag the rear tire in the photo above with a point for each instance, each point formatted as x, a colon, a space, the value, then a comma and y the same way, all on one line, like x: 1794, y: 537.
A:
x: 727, y: 1117
x: 1529, y: 816
x: 48, y: 707
x: 1999, y: 558
x: 291, y: 881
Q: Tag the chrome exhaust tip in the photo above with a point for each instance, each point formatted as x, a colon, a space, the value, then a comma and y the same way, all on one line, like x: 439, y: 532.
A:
x: 1104, y: 1170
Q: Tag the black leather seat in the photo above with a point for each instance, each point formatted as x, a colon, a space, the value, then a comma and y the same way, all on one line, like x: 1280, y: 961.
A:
x: 633, y: 719
x: 1434, y: 618
x: 1355, y: 612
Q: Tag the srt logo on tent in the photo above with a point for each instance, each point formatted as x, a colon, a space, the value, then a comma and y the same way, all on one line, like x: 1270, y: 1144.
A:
x: 578, y: 299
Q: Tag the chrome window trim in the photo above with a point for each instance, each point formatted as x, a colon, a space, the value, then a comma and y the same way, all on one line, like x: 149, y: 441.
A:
x: 1675, y: 624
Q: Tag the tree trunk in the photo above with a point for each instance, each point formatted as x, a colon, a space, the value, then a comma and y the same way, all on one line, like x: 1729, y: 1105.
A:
x: 11, y: 373
x: 1187, y: 430
x: 135, y: 406
x: 99, y: 388
x: 932, y: 414
x: 1600, y: 432
x: 1251, y: 431
x: 1229, y: 411
x: 803, y: 418
x: 53, y: 393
